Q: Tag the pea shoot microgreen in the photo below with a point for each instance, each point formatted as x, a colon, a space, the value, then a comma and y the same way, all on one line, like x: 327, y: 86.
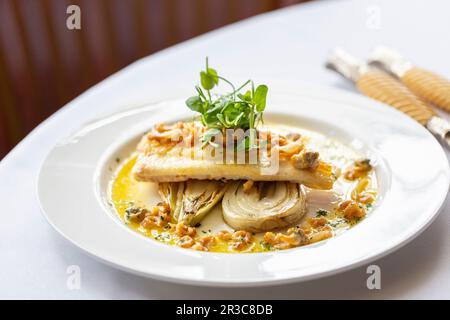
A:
x: 237, y: 109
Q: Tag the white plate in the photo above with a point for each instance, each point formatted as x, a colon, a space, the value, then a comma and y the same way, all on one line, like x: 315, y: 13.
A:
x: 411, y: 167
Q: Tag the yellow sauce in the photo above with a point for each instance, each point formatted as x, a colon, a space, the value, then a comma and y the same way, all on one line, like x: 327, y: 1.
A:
x: 125, y: 191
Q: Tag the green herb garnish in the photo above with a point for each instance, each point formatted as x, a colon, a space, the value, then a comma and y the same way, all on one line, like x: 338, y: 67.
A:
x: 234, y: 110
x: 321, y: 213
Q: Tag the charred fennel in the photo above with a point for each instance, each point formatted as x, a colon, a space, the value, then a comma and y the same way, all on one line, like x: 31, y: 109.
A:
x: 192, y: 200
x: 266, y: 206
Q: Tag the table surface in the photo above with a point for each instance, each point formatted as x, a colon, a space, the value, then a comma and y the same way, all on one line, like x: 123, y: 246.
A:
x: 288, y: 47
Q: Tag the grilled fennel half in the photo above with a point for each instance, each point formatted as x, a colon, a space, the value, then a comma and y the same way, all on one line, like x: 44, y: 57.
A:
x: 190, y: 201
x: 264, y: 206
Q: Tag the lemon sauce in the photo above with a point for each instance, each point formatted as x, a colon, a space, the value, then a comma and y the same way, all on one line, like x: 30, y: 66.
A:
x: 126, y: 192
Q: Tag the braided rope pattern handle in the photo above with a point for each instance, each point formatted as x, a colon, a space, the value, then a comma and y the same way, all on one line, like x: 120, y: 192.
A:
x: 429, y: 86
x: 382, y: 87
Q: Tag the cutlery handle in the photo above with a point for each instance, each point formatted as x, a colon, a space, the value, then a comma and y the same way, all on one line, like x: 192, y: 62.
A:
x: 382, y: 87
x: 429, y: 86
x: 390, y: 90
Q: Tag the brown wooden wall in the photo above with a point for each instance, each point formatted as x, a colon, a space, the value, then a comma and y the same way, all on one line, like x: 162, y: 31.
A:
x: 43, y: 65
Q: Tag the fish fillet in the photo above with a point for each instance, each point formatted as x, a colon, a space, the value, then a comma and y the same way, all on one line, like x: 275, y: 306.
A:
x: 174, y: 165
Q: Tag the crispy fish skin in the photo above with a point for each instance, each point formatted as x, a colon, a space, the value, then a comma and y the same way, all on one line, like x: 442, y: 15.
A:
x: 156, y: 168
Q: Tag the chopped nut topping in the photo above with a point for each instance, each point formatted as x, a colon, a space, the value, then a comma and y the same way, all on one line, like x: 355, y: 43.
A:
x: 351, y: 209
x: 359, y: 169
x: 297, y: 236
x: 306, y: 160
x: 317, y: 222
x: 320, y: 235
x: 206, y: 241
x: 293, y: 238
x: 135, y: 214
x: 185, y: 242
x: 169, y: 135
x: 269, y: 237
x: 224, y: 235
x: 240, y: 239
x: 181, y: 230
x: 290, y: 147
x: 158, y: 216
x: 150, y: 222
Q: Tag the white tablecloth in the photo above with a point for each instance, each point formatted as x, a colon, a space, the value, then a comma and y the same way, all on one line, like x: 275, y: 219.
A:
x: 284, y: 47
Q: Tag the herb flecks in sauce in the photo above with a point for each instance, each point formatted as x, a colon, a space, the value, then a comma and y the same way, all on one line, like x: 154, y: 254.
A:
x: 322, y: 223
x: 321, y: 213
